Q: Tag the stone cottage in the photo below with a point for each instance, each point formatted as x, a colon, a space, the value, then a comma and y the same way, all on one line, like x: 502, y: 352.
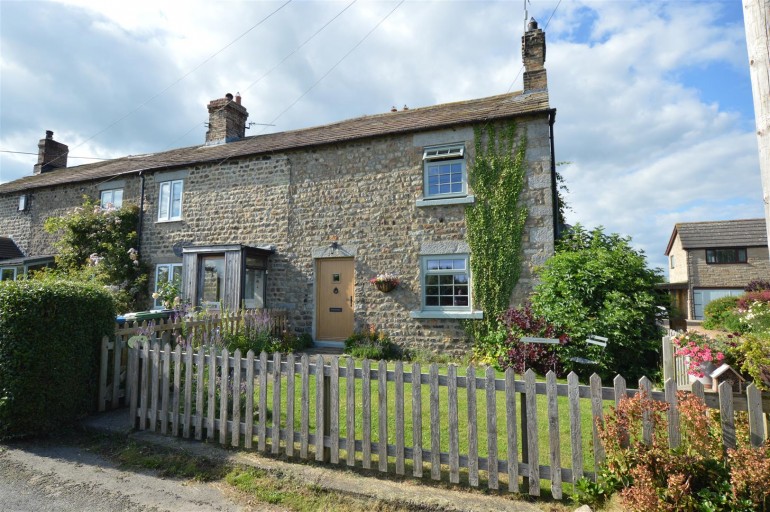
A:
x: 709, y: 260
x: 301, y: 220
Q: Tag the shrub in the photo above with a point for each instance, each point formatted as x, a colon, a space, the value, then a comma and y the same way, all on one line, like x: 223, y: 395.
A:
x: 755, y: 352
x: 598, y: 284
x: 757, y: 285
x: 254, y: 332
x: 746, y: 300
x: 716, y: 312
x: 506, y: 350
x: 695, y: 476
x: 99, y: 244
x: 50, y: 339
x: 372, y: 344
x: 756, y: 317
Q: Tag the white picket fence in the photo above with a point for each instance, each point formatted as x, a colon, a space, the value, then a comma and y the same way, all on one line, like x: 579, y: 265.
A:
x: 207, y: 394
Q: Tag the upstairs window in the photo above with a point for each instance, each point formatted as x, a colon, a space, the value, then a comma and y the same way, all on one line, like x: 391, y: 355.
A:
x: 671, y: 261
x: 721, y: 256
x: 112, y: 197
x: 444, y: 172
x: 170, y: 200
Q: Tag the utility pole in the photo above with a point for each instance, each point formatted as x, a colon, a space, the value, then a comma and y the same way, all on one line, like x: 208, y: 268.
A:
x: 756, y: 19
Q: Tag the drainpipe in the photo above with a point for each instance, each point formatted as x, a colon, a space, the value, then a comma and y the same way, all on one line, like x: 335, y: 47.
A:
x: 554, y: 184
x: 141, y: 214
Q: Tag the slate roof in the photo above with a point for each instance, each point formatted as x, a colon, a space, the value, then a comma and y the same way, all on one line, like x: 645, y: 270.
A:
x: 416, y: 119
x: 721, y: 233
x: 8, y: 249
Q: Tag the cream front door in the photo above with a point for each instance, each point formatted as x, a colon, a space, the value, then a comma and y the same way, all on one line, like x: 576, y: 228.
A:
x: 334, y: 294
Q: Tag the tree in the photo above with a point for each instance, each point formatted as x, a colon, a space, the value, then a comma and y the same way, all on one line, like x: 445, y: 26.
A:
x: 598, y: 284
x: 99, y: 244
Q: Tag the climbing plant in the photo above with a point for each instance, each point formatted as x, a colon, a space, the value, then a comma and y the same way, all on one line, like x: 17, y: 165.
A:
x: 496, y: 220
x: 99, y: 245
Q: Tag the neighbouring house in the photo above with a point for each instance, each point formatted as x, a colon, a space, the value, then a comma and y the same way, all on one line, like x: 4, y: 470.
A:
x: 301, y: 220
x: 13, y: 263
x: 709, y: 260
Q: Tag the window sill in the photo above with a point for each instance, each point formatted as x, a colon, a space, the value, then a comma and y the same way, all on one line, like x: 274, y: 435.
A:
x: 422, y: 202
x: 460, y: 315
x: 167, y: 221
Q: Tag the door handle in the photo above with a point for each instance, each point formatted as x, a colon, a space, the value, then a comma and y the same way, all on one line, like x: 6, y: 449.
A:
x: 351, y: 301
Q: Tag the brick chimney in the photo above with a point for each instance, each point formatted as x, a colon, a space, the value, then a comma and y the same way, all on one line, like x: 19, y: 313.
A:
x: 50, y: 154
x: 533, y: 55
x: 227, y: 120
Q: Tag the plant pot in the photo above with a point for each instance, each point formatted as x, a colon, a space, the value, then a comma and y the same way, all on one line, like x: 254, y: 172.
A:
x: 705, y: 368
x: 385, y: 286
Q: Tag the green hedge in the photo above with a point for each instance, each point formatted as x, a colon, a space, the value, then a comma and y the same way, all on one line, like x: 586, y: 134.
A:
x: 50, y: 338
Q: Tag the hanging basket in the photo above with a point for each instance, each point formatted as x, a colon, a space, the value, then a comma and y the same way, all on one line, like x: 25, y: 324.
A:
x: 385, y: 286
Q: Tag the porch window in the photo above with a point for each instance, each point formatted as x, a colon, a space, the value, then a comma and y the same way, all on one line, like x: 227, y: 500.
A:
x: 164, y: 273
x: 211, y: 281
x: 254, y: 283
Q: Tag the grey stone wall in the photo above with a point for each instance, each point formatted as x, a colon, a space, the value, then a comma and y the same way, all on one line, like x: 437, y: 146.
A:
x: 26, y: 228
x: 362, y: 194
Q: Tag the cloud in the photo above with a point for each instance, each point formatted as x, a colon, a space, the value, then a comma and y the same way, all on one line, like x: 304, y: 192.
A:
x: 649, y: 113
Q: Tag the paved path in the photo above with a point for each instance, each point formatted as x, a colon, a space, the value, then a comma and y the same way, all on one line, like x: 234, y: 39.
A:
x: 47, y: 476
x: 56, y: 475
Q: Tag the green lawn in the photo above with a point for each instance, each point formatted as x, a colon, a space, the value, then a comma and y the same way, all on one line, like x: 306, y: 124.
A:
x: 463, y: 424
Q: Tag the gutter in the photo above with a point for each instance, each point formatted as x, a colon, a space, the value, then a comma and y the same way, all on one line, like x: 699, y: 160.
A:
x: 554, y: 184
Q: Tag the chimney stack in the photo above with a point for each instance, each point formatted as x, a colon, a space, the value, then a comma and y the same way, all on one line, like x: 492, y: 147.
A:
x: 51, y: 155
x: 533, y: 56
x: 227, y: 120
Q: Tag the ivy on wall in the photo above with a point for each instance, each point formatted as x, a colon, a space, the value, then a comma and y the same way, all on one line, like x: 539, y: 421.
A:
x: 495, y: 222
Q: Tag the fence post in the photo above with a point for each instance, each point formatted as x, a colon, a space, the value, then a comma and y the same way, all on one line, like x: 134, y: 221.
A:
x: 103, y: 374
x: 668, y: 359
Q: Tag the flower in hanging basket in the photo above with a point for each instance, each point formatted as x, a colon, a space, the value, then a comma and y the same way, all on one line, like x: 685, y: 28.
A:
x: 385, y: 282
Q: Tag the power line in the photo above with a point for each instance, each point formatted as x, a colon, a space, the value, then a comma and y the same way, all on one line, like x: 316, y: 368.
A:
x: 337, y: 63
x: 522, y: 66
x: 68, y: 156
x: 172, y: 84
x: 255, y: 82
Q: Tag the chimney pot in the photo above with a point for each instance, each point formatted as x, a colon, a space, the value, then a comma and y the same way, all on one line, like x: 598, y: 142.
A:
x: 48, y: 134
x: 229, y: 96
x: 393, y: 109
x: 238, y: 98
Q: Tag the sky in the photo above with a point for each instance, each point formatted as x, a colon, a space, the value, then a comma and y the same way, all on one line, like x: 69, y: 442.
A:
x: 654, y: 123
